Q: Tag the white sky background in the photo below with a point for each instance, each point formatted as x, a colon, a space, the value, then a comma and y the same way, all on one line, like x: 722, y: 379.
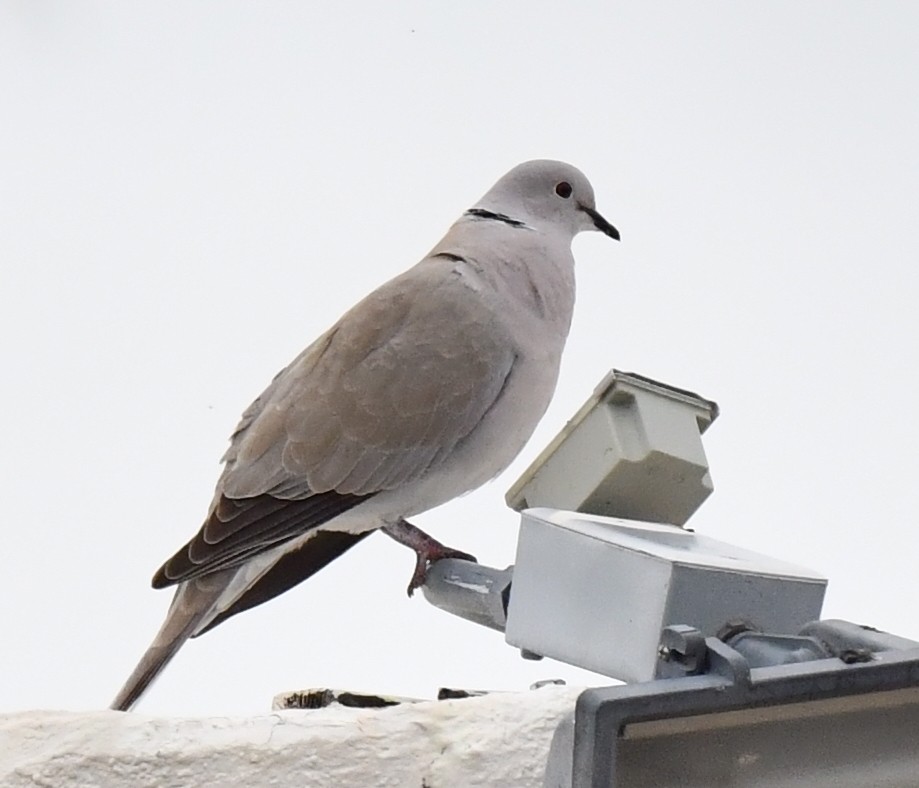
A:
x: 192, y: 192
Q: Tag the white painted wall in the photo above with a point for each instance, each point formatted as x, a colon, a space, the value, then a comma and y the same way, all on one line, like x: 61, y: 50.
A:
x: 495, y: 740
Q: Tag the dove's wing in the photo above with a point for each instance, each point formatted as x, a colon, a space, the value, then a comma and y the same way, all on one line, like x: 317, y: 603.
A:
x: 380, y: 400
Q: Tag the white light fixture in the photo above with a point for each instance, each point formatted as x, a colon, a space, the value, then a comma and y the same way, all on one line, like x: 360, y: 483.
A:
x: 633, y: 450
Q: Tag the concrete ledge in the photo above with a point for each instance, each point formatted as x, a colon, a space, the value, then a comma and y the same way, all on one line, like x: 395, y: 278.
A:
x: 494, y: 740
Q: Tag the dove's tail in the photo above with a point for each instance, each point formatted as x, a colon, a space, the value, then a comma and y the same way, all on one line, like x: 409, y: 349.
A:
x: 192, y: 602
x: 194, y: 608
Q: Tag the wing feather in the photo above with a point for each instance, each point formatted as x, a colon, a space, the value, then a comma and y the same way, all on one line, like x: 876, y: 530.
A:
x: 380, y: 400
x: 396, y: 384
x: 275, y: 525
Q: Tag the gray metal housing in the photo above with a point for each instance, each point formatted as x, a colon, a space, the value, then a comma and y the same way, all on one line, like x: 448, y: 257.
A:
x: 597, y: 591
x: 837, y: 722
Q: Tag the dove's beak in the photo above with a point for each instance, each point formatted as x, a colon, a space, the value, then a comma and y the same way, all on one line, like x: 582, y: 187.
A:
x: 600, y: 223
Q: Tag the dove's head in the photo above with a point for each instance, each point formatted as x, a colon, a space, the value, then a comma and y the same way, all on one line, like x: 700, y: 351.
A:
x: 546, y: 194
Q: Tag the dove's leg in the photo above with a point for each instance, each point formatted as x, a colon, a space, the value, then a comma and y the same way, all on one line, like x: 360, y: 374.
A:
x: 427, y: 549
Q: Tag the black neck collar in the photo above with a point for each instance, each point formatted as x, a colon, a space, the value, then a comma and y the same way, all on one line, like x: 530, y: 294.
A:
x: 481, y: 213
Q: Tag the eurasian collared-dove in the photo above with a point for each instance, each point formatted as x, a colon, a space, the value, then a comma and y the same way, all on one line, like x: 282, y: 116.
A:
x: 426, y: 389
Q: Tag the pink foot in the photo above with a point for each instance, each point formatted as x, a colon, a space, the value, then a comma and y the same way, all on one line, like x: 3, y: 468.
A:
x: 427, y: 550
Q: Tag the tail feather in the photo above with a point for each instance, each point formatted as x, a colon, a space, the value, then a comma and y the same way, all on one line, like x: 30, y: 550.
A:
x: 202, y: 603
x: 290, y: 569
x: 192, y: 602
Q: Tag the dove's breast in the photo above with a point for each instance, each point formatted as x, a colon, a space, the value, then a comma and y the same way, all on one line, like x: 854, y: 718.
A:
x: 530, y: 307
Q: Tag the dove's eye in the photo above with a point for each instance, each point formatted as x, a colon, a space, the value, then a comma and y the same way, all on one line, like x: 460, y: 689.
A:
x: 563, y: 189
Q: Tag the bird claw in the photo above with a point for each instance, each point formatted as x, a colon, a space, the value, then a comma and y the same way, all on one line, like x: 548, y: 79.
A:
x: 427, y: 549
x: 424, y: 559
